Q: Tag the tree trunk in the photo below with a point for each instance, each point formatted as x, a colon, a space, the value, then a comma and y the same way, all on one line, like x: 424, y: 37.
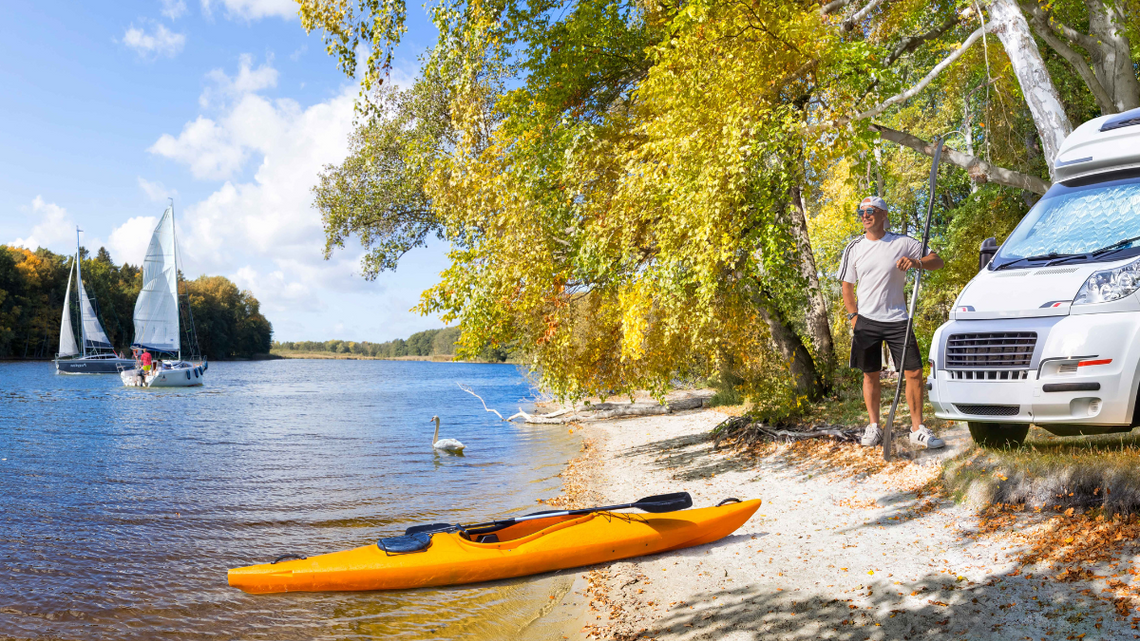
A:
x: 818, y: 327
x: 1110, y: 76
x: 1112, y: 61
x: 800, y: 364
x: 1037, y: 87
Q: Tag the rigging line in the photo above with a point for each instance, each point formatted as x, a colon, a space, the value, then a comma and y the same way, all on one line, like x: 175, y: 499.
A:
x: 989, y: 80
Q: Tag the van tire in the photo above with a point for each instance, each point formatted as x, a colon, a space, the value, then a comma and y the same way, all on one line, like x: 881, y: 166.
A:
x: 999, y: 435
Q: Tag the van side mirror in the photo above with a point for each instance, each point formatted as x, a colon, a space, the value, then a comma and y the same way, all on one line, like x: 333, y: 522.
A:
x: 986, y: 253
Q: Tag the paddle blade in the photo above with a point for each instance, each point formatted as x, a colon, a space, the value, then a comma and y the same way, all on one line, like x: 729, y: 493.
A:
x: 665, y: 503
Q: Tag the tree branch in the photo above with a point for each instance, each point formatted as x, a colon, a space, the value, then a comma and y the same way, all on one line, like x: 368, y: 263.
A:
x: 849, y: 23
x: 833, y: 6
x: 1048, y: 31
x: 926, y: 80
x: 979, y: 170
x: 1061, y: 29
x: 910, y: 43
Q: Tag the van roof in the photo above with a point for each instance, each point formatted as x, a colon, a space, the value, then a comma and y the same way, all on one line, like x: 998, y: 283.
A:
x: 1102, y: 144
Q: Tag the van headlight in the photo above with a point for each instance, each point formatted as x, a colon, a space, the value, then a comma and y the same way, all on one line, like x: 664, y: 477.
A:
x: 1110, y: 284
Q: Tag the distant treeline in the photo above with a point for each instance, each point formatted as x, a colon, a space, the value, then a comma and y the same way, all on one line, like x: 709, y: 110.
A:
x: 228, y: 321
x: 432, y: 342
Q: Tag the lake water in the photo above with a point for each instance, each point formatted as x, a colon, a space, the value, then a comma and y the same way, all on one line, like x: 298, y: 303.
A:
x: 123, y: 508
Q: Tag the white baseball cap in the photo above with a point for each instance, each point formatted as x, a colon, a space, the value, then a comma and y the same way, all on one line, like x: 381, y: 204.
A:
x: 874, y: 201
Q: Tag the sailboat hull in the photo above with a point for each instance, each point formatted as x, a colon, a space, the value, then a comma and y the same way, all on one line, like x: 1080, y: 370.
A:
x: 93, y: 365
x: 182, y: 374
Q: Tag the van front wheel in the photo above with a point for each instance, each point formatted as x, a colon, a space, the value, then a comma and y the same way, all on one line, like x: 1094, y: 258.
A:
x: 999, y: 435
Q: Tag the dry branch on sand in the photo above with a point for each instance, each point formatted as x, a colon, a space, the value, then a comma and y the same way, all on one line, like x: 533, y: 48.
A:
x: 743, y: 431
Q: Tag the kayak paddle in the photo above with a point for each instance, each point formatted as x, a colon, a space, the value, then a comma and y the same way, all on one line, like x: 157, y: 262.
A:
x: 652, y: 504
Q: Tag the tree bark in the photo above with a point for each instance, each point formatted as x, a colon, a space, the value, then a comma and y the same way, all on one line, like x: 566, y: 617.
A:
x: 1110, y: 75
x: 818, y: 327
x: 1037, y: 87
x: 788, y: 343
x: 980, y: 171
x: 1114, y: 64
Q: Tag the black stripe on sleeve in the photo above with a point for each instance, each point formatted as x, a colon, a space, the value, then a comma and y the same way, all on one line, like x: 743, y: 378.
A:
x: 846, y: 256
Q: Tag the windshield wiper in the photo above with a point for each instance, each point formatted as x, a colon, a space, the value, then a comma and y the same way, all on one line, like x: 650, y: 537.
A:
x: 1096, y: 253
x: 1049, y: 256
x: 1117, y: 245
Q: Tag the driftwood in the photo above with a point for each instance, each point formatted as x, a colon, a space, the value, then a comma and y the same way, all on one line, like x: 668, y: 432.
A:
x: 745, y: 432
x: 603, y: 411
x: 482, y: 401
x: 554, y: 418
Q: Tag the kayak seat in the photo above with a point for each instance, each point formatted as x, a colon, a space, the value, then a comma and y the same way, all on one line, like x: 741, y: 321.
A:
x: 488, y: 538
x: 405, y: 544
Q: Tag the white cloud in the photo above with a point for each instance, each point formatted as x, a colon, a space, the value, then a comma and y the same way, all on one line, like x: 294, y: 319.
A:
x: 173, y: 9
x: 247, y: 80
x: 129, y: 241
x: 261, y: 230
x: 52, y: 227
x: 253, y: 9
x: 156, y: 191
x: 162, y: 42
x: 208, y: 149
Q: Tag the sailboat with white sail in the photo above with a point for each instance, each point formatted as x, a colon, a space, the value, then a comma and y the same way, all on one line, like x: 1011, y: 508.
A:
x: 94, y: 353
x: 157, y: 321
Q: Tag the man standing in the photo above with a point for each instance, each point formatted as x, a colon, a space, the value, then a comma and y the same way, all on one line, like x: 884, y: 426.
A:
x: 878, y: 261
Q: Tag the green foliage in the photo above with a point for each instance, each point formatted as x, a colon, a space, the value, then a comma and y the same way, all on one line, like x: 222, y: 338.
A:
x: 431, y: 342
x: 377, y: 193
x: 227, y: 320
x: 615, y: 177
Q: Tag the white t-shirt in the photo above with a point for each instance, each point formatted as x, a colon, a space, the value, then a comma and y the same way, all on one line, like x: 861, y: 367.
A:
x: 870, y: 265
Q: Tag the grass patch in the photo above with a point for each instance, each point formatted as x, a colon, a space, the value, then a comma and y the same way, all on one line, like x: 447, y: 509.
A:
x: 726, y: 397
x: 1049, y: 472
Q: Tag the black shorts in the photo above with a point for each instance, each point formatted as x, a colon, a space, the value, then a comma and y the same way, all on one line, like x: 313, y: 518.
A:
x: 867, y: 345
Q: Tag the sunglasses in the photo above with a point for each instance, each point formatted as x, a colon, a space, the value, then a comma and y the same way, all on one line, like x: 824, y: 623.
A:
x: 865, y: 213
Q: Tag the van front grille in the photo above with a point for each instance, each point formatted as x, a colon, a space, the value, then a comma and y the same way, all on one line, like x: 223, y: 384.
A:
x: 988, y: 375
x: 988, y: 410
x: 990, y: 350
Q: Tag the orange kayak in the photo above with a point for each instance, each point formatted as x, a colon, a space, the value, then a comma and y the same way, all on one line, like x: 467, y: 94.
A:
x: 521, y: 549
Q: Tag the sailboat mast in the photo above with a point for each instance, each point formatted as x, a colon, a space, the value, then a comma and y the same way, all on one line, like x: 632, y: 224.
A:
x: 177, y: 305
x: 79, y: 291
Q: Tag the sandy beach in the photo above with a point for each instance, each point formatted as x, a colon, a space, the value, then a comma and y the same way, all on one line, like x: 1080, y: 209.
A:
x: 834, y: 552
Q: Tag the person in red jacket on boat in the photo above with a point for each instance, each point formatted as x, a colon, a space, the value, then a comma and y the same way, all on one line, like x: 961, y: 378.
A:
x: 146, y: 359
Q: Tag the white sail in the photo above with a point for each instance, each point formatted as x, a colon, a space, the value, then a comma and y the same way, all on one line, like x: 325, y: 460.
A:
x: 156, y: 310
x: 67, y: 346
x: 93, y: 335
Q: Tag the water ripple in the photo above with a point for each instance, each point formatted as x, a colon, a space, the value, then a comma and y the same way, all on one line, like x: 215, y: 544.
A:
x: 124, y: 508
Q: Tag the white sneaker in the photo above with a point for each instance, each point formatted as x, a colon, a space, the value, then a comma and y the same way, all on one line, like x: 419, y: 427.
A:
x: 871, y: 436
x: 924, y: 437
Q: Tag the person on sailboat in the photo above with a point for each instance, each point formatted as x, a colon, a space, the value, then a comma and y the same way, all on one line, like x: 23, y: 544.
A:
x: 146, y: 360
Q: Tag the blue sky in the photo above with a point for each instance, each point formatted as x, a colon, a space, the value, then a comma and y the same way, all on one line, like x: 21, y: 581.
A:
x: 227, y: 105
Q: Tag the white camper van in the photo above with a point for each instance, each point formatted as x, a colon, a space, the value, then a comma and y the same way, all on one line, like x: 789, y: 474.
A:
x: 1048, y: 332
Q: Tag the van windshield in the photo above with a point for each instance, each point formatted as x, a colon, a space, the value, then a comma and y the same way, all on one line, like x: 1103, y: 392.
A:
x: 1087, y: 221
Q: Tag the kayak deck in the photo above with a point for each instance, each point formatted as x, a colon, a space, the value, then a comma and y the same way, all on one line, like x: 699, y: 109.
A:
x: 525, y: 548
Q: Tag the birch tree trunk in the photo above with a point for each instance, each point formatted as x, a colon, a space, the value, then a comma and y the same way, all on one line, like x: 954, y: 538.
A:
x: 1008, y: 22
x: 818, y: 327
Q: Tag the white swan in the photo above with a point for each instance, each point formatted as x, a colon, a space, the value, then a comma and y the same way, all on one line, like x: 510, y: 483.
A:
x: 448, y: 444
